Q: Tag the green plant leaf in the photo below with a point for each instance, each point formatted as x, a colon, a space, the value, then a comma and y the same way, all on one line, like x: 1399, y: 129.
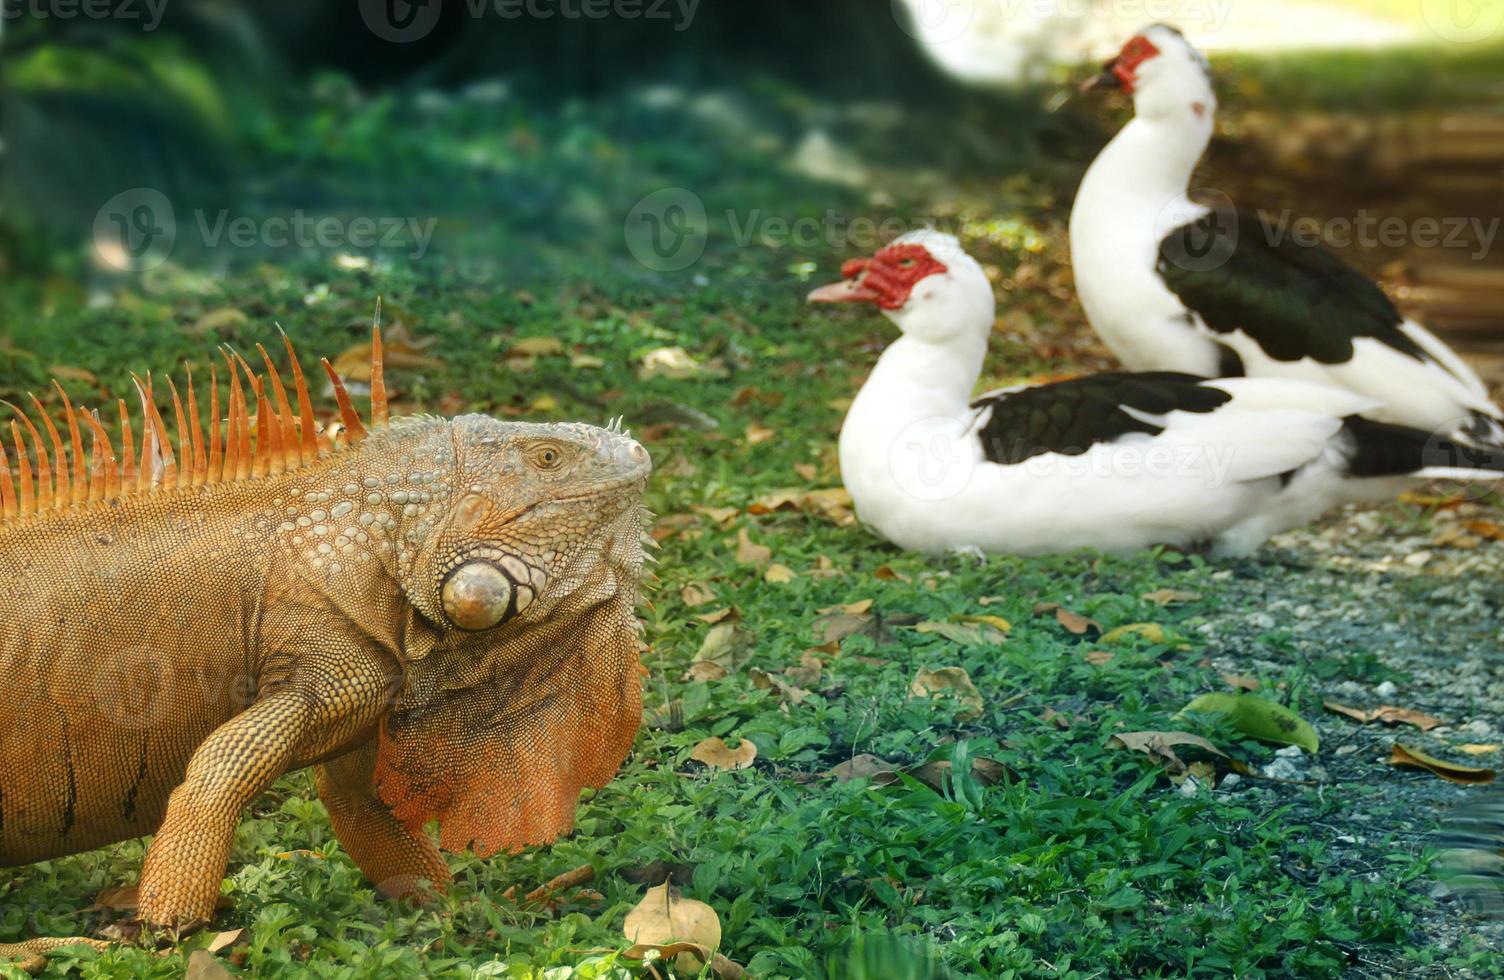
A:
x: 1257, y: 717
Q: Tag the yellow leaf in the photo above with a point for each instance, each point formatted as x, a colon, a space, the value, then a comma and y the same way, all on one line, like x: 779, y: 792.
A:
x: 535, y: 347
x: 663, y: 917
x: 1150, y: 632
x: 1475, y: 748
x: 996, y: 622
x: 586, y: 362
x: 1164, y: 597
x: 929, y: 683
x: 720, y: 515
x: 851, y: 608
x: 716, y: 754
x: 778, y: 574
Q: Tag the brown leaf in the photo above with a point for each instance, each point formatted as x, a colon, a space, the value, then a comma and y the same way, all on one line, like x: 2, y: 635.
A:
x: 1388, y: 714
x: 860, y: 767
x: 1241, y: 682
x: 1413, y: 758
x: 749, y: 552
x: 726, y: 644
x: 721, y: 615
x: 1075, y: 623
x: 535, y: 347
x: 664, y: 916
x: 764, y: 681
x: 721, y: 515
x: 120, y: 898
x: 1486, y: 529
x: 887, y: 573
x: 704, y: 671
x: 806, y: 471
x: 988, y: 772
x: 696, y: 594
x: 834, y: 627
x: 1052, y: 717
x: 809, y: 671
x: 1098, y: 658
x: 74, y: 375
x: 941, y: 681
x: 203, y: 966
x: 716, y: 754
x: 1160, y: 746
x: 757, y: 433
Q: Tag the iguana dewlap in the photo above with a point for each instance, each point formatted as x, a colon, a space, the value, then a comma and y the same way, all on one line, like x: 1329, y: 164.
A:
x: 437, y: 614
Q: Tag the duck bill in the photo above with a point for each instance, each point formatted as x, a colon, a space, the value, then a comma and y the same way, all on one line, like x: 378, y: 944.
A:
x: 1105, y: 80
x: 845, y: 291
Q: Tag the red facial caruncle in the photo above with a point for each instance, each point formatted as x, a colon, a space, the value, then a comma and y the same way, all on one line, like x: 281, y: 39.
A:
x: 886, y: 279
x: 1125, y: 66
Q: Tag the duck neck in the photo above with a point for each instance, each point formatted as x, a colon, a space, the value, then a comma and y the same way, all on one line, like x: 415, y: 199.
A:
x: 1152, y: 159
x: 916, y: 379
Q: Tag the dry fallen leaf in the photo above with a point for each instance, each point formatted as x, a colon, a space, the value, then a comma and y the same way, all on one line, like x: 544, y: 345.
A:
x: 726, y: 644
x: 749, y: 552
x: 203, y: 966
x: 1164, y: 597
x: 1074, y: 623
x: 809, y: 671
x: 696, y: 594
x: 721, y: 515
x: 716, y: 754
x: 1098, y: 658
x: 764, y: 681
x: 887, y: 573
x: 704, y: 671
x: 1160, y: 746
x: 1412, y: 758
x: 836, y: 626
x: 860, y: 767
x: 1486, y: 529
x: 73, y: 375
x: 1052, y: 717
x: 223, y: 939
x: 1476, y: 748
x: 1241, y: 682
x: 535, y: 347
x: 988, y: 772
x: 996, y: 622
x: 851, y: 608
x: 1388, y: 714
x: 929, y: 683
x: 663, y: 917
x: 806, y: 471
x: 757, y: 433
x: 776, y: 574
x: 674, y: 363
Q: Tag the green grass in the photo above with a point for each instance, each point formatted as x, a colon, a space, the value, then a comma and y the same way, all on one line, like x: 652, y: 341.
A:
x: 1087, y: 863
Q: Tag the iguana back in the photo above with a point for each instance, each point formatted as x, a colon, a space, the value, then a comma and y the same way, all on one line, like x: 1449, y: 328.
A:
x: 439, y: 614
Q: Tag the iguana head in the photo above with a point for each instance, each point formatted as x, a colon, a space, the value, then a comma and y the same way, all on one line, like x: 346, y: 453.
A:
x: 525, y: 688
x: 533, y: 508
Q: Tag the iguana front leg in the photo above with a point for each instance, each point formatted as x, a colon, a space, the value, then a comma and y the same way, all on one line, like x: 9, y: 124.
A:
x: 322, y: 707
x: 395, y: 859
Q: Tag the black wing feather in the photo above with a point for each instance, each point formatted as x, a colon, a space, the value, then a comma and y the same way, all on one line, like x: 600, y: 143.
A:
x: 1070, y: 417
x: 1293, y: 300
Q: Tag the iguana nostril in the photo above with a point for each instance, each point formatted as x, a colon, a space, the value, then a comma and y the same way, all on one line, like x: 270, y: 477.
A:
x: 477, y: 596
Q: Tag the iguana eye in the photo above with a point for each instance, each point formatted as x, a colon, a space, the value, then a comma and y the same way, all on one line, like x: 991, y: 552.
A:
x: 546, y: 456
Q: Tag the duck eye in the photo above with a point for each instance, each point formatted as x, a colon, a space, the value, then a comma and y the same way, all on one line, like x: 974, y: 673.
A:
x: 906, y: 264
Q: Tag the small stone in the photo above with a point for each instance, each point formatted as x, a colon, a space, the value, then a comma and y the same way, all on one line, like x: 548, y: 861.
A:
x: 1418, y: 559
x: 1386, y: 690
x: 1230, y: 780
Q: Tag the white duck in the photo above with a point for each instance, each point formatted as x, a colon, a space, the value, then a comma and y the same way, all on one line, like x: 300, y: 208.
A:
x: 1173, y: 285
x: 1115, y: 462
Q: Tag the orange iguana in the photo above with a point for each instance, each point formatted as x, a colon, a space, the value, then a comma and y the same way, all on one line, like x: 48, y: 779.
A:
x: 437, y: 614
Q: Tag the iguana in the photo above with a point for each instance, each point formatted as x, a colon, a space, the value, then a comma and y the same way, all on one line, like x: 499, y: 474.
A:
x: 436, y: 614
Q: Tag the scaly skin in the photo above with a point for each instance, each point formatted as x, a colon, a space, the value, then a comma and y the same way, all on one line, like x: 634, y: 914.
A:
x: 165, y: 656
